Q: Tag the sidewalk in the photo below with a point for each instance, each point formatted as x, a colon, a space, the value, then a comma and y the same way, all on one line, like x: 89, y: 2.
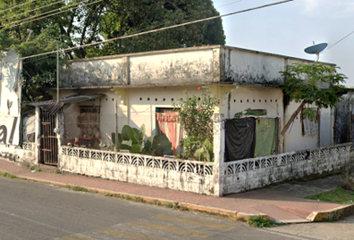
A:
x: 283, y: 203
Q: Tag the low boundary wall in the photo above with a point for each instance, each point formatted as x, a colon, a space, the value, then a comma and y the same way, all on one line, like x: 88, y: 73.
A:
x: 171, y: 173
x: 248, y: 174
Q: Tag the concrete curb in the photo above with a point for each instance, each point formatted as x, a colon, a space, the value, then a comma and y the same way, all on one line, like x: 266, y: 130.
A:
x: 232, y: 215
x: 332, y: 215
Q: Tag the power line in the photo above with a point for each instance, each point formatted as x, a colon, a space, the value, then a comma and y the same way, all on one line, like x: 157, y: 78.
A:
x: 227, y: 4
x: 340, y: 40
x: 32, y: 10
x: 50, y: 15
x: 17, y: 6
x: 160, y: 29
x: 187, y: 17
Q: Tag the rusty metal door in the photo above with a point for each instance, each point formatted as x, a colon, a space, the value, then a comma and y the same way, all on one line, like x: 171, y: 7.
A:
x: 49, y: 141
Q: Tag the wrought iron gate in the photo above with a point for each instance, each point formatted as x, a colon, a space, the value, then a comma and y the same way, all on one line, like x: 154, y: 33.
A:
x: 49, y: 141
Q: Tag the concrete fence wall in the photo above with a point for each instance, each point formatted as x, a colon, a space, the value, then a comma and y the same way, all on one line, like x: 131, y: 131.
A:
x: 248, y: 174
x: 171, y: 173
x: 20, y: 154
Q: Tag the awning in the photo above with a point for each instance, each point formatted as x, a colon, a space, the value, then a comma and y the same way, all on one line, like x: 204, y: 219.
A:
x: 52, y: 106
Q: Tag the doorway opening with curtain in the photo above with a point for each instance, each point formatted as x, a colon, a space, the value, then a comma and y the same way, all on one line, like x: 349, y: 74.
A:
x: 167, y: 123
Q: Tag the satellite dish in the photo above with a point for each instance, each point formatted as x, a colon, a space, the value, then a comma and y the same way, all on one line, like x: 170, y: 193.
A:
x: 316, y: 49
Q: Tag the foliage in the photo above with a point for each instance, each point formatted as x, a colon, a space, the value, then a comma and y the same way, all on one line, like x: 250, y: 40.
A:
x: 316, y: 83
x: 196, y: 118
x: 338, y: 195
x: 28, y: 31
x: 27, y: 36
x: 261, y: 222
x: 205, y: 152
x: 196, y: 115
x: 193, y: 147
x: 309, y: 113
x: 190, y: 145
x: 313, y: 83
x: 125, y: 17
x: 158, y: 145
x: 131, y: 139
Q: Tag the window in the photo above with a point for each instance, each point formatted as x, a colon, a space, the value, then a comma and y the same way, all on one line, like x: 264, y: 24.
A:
x: 89, y: 121
x: 309, y: 120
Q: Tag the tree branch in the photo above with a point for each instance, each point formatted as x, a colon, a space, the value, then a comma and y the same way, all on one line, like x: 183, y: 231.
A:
x: 292, y: 118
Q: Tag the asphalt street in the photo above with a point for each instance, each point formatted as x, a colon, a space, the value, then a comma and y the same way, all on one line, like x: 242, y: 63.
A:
x: 30, y: 210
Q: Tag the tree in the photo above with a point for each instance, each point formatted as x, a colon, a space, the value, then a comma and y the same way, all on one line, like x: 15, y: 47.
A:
x: 125, y: 17
x: 316, y: 83
x: 27, y: 27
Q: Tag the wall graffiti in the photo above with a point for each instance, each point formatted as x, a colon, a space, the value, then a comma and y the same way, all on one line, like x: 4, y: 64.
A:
x: 4, y: 132
x: 10, y: 95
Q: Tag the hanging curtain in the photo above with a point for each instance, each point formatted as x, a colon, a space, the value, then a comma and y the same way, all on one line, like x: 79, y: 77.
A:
x: 168, y: 124
x: 266, y: 139
x: 239, y: 138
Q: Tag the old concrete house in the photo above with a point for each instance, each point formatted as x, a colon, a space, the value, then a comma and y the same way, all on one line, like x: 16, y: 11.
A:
x: 131, y: 89
x: 99, y: 96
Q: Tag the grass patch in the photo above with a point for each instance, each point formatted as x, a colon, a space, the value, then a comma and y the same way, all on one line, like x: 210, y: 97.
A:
x: 79, y: 189
x: 338, y: 195
x: 8, y: 175
x: 261, y: 222
x: 168, y: 205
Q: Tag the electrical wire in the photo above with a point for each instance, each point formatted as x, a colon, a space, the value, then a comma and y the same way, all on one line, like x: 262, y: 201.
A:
x: 187, y: 17
x: 50, y: 15
x: 160, y: 29
x: 32, y: 10
x: 151, y: 31
x: 228, y: 4
x: 16, y: 6
x: 340, y: 40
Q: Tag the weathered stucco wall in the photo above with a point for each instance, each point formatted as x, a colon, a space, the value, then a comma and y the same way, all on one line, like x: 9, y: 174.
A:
x: 256, y: 173
x: 166, y: 68
x: 293, y: 138
x: 251, y: 67
x: 343, y: 120
x: 178, y: 67
x: 171, y: 69
x: 18, y: 154
x: 256, y: 97
x: 177, y: 174
x: 95, y: 72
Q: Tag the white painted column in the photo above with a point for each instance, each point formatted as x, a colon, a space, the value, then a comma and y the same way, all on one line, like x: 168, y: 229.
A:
x: 38, y: 133
x: 219, y: 150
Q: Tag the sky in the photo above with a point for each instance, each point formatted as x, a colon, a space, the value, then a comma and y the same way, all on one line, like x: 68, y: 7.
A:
x: 289, y: 28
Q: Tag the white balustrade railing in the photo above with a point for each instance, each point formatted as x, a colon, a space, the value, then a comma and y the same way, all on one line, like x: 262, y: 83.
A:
x: 173, y: 164
x: 245, y: 165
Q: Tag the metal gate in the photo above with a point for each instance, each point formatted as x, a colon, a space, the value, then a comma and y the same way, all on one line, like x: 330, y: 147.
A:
x: 49, y: 141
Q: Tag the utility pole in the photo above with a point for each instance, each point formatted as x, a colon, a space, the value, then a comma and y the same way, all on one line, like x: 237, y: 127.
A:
x: 57, y: 73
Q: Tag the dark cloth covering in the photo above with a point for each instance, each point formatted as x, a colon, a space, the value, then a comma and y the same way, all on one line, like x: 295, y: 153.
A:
x: 239, y: 138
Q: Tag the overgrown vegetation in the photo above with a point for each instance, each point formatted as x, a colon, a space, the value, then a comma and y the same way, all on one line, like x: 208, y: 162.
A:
x: 261, y: 222
x: 133, y: 140
x: 338, y: 195
x: 316, y: 84
x: 195, y: 116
